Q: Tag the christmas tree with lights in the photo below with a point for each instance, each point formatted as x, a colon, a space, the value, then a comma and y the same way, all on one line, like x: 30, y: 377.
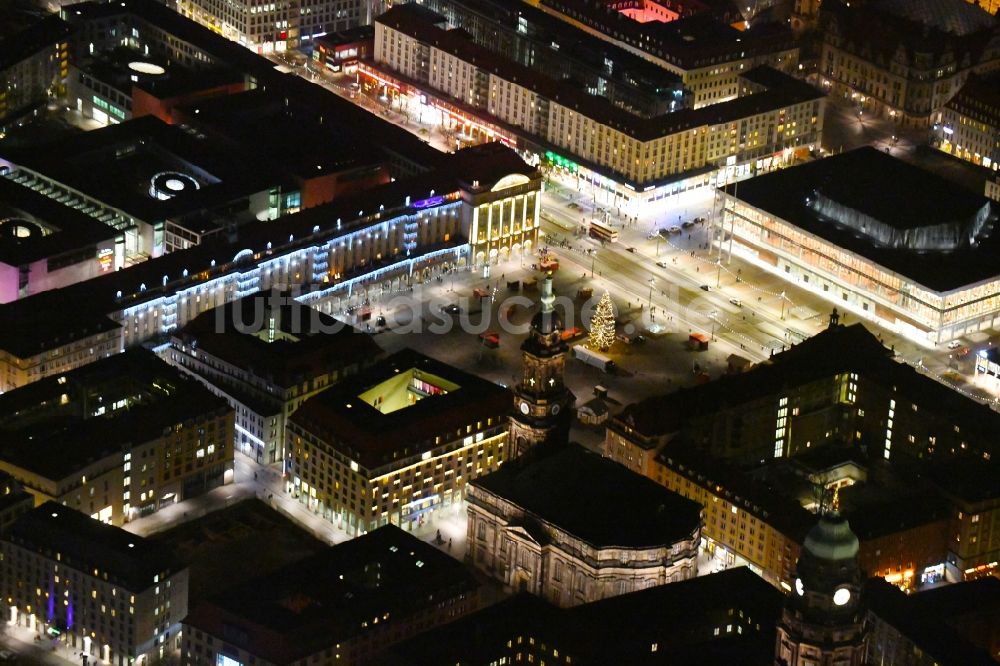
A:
x: 602, y: 325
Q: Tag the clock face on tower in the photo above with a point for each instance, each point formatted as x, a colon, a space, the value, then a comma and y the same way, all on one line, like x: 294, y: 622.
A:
x: 555, y: 409
x: 524, y: 408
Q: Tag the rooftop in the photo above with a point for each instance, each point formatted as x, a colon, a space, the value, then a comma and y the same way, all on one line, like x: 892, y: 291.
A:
x: 688, y: 42
x: 831, y: 352
x: 758, y: 497
x: 134, y: 154
x: 270, y: 335
x: 355, y: 426
x: 57, y: 317
x: 329, y: 598
x: 679, y: 617
x: 842, y: 199
x: 916, y: 620
x: 282, y: 132
x: 24, y: 43
x: 583, y: 493
x: 954, y: 16
x: 416, y: 24
x: 35, y: 227
x: 58, y: 425
x: 86, y: 545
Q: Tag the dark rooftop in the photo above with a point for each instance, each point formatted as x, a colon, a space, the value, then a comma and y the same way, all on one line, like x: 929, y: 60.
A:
x: 831, y: 352
x: 583, y: 493
x: 415, y: 24
x: 918, y: 622
x: 857, y: 180
x: 50, y: 427
x: 330, y: 597
x: 133, y: 152
x: 680, y: 618
x: 56, y: 228
x: 759, y: 497
x: 27, y: 42
x: 352, y: 425
x: 85, y: 544
x: 282, y: 132
x: 307, y: 343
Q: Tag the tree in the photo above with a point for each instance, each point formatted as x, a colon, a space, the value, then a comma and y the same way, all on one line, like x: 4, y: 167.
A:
x: 602, y: 325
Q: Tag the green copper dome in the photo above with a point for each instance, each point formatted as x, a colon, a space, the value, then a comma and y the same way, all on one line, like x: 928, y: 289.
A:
x: 831, y: 539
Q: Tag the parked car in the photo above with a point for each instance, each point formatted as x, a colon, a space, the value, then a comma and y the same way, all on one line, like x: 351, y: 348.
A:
x: 675, y: 230
x: 490, y: 339
x: 688, y: 224
x: 699, y: 220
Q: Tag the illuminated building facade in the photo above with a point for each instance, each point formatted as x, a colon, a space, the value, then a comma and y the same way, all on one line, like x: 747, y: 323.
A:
x: 743, y: 521
x: 117, y: 439
x: 266, y: 354
x: 633, y: 158
x: 904, y: 60
x: 33, y: 68
x: 385, y: 237
x: 840, y: 388
x: 110, y: 594
x: 918, y: 263
x: 968, y: 126
x: 395, y: 442
x: 276, y: 27
x: 567, y: 525
x: 345, y: 605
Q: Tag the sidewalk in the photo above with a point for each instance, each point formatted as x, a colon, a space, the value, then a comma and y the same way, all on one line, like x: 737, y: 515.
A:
x: 48, y: 652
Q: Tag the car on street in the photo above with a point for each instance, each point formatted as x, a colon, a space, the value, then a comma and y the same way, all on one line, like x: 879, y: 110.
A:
x: 737, y: 302
x: 705, y: 287
x: 630, y: 249
x: 674, y: 230
x: 451, y: 309
x: 954, y: 344
x: 699, y: 220
x: 661, y: 264
x: 688, y: 224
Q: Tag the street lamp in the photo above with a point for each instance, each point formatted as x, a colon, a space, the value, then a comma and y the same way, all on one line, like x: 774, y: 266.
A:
x: 593, y: 257
x: 650, y: 303
x: 782, y: 305
x: 712, y: 316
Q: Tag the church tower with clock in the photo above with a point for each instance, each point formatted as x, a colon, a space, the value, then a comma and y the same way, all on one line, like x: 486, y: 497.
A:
x: 822, y: 622
x: 541, y: 399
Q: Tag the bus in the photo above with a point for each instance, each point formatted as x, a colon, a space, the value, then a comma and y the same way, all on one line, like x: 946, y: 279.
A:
x: 603, y: 232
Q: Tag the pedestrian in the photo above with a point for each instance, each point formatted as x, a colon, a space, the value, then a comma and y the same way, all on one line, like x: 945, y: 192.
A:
x: 449, y: 543
x: 255, y: 476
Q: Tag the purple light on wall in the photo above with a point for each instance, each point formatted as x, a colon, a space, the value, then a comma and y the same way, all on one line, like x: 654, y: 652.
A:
x: 69, y: 614
x: 426, y: 203
x: 51, y: 610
